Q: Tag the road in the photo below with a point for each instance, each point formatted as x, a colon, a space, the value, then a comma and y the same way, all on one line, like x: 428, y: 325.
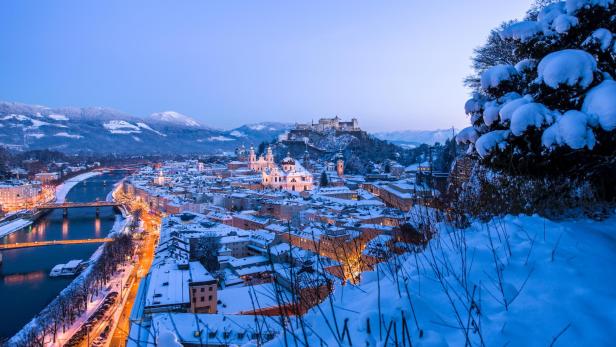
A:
x: 146, y: 255
x: 117, y: 316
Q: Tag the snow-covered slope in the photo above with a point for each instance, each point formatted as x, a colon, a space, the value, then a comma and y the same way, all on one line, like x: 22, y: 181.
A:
x: 416, y: 137
x: 173, y: 117
x: 516, y: 281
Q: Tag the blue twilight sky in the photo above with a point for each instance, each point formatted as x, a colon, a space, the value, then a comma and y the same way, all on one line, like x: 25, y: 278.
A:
x: 392, y: 64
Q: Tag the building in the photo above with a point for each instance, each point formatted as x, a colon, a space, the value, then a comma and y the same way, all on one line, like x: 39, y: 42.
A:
x: 18, y: 194
x: 335, y: 123
x: 262, y: 163
x: 47, y: 177
x: 340, y: 165
x: 203, y: 289
x: 292, y: 177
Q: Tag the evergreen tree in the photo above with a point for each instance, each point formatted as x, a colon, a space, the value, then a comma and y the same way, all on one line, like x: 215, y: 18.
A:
x: 261, y: 148
x: 324, y: 181
x: 387, y: 168
x: 545, y: 99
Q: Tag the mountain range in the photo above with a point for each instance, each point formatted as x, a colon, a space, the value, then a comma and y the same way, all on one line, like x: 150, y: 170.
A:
x: 104, y: 130
x: 413, y: 138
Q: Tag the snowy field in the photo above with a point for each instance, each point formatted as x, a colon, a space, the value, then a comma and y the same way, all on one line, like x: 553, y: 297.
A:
x: 63, y: 189
x: 516, y: 281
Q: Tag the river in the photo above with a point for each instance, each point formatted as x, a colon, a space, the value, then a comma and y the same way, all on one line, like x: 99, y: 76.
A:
x: 25, y: 285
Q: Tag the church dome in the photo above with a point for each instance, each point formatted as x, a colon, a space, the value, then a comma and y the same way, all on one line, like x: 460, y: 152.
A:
x: 288, y: 161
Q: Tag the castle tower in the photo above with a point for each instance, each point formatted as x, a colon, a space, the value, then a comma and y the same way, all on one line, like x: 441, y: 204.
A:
x: 340, y: 165
x: 269, y: 157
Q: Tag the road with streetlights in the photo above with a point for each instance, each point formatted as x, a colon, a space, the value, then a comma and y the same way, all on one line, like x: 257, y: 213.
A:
x: 151, y: 225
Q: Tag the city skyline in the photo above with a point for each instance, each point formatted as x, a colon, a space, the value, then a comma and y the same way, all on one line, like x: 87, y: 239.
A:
x: 232, y: 64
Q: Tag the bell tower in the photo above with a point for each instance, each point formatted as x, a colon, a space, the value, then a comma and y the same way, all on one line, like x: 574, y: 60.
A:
x: 340, y: 165
x: 252, y: 157
x: 269, y: 157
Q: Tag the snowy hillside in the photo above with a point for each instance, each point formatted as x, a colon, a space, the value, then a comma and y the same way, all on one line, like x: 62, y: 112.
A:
x: 517, y: 281
x: 416, y: 137
x: 173, y: 117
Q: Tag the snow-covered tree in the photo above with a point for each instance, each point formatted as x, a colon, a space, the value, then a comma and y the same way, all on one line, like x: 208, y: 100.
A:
x: 548, y: 104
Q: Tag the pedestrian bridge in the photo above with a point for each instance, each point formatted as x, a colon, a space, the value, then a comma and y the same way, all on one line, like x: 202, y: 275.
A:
x: 51, y: 243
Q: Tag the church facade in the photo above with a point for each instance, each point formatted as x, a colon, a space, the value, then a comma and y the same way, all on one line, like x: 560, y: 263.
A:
x: 290, y: 176
x: 262, y: 163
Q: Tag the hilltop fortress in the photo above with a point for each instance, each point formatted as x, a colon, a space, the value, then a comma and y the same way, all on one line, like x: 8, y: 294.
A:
x: 325, y: 124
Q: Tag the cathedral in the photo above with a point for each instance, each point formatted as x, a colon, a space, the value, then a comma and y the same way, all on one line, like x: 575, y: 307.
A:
x: 259, y: 165
x: 291, y: 176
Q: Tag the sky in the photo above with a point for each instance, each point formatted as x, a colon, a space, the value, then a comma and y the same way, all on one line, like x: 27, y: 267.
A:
x: 394, y: 65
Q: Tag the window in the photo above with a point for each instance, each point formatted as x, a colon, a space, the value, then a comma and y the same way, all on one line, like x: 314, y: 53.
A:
x: 202, y: 289
x: 210, y: 289
x: 209, y: 298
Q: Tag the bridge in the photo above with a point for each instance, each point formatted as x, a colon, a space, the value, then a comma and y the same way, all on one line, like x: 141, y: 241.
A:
x: 66, y: 205
x: 51, y: 243
x: 51, y: 206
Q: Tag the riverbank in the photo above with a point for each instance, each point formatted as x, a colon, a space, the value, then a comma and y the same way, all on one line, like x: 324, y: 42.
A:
x: 14, y: 226
x: 66, y: 186
x: 120, y: 226
x: 25, y: 271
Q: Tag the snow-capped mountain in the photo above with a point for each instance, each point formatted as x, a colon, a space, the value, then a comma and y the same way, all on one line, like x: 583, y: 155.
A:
x: 265, y: 131
x: 173, y: 117
x: 417, y: 137
x: 103, y: 130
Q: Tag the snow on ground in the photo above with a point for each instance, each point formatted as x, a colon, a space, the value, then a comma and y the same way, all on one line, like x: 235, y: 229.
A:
x: 121, y: 127
x: 65, y: 134
x: 63, y: 189
x: 220, y: 138
x: 237, y: 133
x: 175, y: 117
x: 557, y: 283
x: 257, y: 127
x: 58, y: 117
x: 147, y: 127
